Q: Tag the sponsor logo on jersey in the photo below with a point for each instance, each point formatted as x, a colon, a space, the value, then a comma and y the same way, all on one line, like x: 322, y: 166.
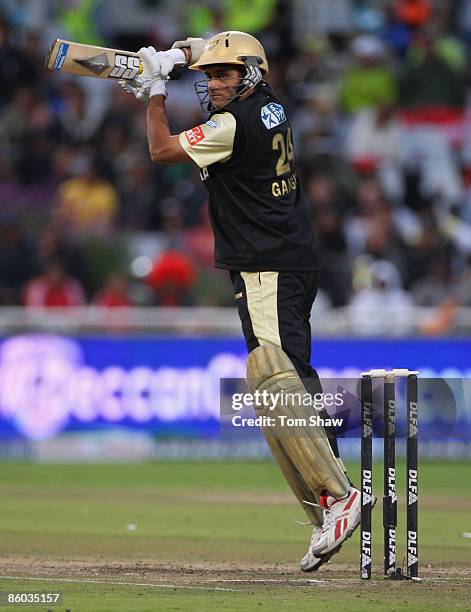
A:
x: 61, y: 55
x: 195, y: 135
x: 212, y: 123
x: 272, y: 115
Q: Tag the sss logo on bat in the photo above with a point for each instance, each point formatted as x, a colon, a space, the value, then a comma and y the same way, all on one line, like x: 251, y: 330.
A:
x: 126, y: 67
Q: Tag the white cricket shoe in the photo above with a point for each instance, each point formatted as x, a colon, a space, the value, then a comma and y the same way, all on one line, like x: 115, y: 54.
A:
x: 341, y: 518
x: 311, y: 562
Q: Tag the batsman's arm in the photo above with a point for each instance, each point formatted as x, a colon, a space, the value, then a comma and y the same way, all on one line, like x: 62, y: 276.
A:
x: 163, y: 147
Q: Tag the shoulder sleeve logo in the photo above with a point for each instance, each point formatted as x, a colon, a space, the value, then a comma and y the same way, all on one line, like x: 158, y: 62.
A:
x: 195, y: 135
x: 272, y: 114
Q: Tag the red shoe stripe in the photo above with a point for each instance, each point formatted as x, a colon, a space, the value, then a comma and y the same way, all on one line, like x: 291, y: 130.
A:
x: 323, y: 501
x: 345, y: 523
x: 338, y: 526
x: 351, y: 500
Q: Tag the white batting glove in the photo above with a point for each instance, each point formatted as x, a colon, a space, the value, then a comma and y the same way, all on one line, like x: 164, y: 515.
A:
x: 195, y: 46
x: 138, y: 87
x: 157, y: 65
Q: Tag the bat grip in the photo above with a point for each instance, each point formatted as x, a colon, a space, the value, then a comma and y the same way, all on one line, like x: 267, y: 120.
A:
x: 175, y: 74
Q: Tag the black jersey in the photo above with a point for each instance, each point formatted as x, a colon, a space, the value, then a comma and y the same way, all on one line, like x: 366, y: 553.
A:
x: 258, y: 210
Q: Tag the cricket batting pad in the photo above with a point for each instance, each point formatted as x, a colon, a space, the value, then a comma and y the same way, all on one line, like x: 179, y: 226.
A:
x: 298, y: 485
x: 307, y: 448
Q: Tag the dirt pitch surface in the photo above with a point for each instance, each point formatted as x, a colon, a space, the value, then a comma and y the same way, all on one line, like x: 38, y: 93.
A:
x: 221, y: 577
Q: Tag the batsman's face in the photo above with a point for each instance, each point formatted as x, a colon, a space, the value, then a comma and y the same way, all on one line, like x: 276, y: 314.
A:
x: 223, y: 82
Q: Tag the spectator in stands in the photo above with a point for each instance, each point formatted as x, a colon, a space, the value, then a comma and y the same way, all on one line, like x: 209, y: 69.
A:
x: 53, y: 245
x: 204, y: 17
x: 125, y: 112
x: 138, y: 194
x: 76, y: 121
x: 335, y: 273
x: 427, y: 244
x: 413, y: 13
x: 372, y: 228
x: 462, y: 285
x: 16, y: 68
x: 87, y: 203
x: 172, y: 278
x: 53, y: 288
x: 173, y: 235
x: 369, y: 81
x: 26, y: 115
x: 448, y: 45
x: 395, y: 33
x: 433, y: 288
x: 429, y: 84
x: 316, y: 124
x: 430, y: 172
x: 10, y: 189
x: 115, y: 292
x: 463, y: 20
x: 27, y: 122
x: 383, y: 307
x: 199, y: 241
x: 116, y: 149
x: 211, y: 285
x: 378, y: 141
x: 374, y: 144
x: 16, y: 262
x: 322, y: 191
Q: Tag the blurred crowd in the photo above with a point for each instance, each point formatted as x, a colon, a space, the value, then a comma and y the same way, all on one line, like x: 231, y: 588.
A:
x: 382, y: 121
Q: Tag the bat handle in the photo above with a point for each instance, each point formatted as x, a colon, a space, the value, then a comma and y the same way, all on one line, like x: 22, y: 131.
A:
x: 175, y: 74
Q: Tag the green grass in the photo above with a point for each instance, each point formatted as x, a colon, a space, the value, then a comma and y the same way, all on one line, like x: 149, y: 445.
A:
x: 216, y: 515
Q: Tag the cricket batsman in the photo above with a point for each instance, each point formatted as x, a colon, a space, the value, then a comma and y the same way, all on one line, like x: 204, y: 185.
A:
x: 264, y: 238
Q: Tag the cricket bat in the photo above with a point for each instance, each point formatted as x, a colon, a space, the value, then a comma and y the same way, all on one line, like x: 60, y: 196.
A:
x: 89, y: 60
